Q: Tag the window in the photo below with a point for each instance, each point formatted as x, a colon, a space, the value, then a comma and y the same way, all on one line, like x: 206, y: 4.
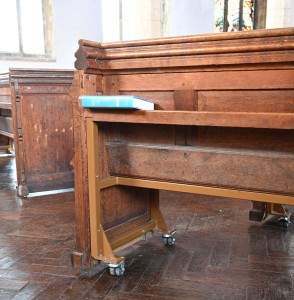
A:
x: 24, y: 28
x: 235, y: 15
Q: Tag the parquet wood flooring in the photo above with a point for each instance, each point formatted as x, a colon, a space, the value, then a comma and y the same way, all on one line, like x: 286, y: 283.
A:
x: 219, y: 253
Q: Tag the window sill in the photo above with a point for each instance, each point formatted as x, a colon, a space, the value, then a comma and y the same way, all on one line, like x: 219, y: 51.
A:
x: 32, y: 58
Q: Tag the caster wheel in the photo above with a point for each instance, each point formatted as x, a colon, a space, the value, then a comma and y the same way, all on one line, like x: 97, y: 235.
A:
x: 117, y: 269
x: 168, y: 240
x: 112, y: 271
x: 284, y: 222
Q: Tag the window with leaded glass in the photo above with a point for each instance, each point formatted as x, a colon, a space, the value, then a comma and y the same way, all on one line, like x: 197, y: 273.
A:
x: 235, y: 15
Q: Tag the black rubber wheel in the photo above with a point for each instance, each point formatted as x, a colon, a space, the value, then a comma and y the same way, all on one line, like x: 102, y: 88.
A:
x: 284, y: 222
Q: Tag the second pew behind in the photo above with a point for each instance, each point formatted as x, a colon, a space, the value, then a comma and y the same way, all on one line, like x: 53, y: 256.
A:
x: 6, y: 127
x: 38, y: 117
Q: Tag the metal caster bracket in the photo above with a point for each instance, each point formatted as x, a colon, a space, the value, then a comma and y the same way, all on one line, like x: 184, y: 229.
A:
x: 261, y: 210
x: 117, y: 269
x: 169, y: 238
x: 284, y: 221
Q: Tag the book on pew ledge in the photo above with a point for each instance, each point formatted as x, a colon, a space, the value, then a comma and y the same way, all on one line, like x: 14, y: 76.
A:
x: 116, y: 101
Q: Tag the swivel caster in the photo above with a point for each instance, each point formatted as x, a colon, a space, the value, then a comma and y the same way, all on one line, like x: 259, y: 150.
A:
x: 284, y: 221
x: 117, y: 269
x: 169, y: 239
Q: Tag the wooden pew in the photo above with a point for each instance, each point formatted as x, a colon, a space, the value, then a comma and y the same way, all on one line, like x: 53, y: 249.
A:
x: 222, y: 125
x: 6, y: 128
x: 41, y: 125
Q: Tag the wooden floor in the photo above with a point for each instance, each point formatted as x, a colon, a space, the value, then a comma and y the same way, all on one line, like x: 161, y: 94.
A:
x: 219, y: 254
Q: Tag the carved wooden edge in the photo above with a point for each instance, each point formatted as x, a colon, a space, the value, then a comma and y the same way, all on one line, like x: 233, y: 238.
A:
x: 44, y: 76
x: 194, y: 48
x: 94, y: 57
x: 81, y: 257
x: 194, y: 38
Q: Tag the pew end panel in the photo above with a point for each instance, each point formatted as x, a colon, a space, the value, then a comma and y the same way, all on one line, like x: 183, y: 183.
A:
x: 222, y: 126
x: 41, y: 125
x: 132, y: 212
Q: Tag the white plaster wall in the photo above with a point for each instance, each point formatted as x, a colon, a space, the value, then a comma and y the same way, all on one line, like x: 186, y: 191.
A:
x: 146, y: 19
x: 72, y: 20
x: 141, y: 19
x: 280, y: 13
x: 110, y: 21
x: 190, y: 17
x: 289, y: 13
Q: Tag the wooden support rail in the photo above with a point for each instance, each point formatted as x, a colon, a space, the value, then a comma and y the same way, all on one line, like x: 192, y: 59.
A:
x: 222, y: 167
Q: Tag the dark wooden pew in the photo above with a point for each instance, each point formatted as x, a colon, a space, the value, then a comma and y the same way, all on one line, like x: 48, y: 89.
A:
x: 6, y: 128
x: 222, y: 125
x: 38, y: 117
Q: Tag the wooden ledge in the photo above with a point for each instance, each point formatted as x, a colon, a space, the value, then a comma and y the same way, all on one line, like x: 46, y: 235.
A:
x: 43, y: 76
x: 8, y: 134
x: 5, y: 105
x: 196, y: 118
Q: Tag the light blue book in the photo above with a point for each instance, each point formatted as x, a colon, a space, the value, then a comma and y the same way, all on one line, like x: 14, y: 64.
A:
x: 116, y: 101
